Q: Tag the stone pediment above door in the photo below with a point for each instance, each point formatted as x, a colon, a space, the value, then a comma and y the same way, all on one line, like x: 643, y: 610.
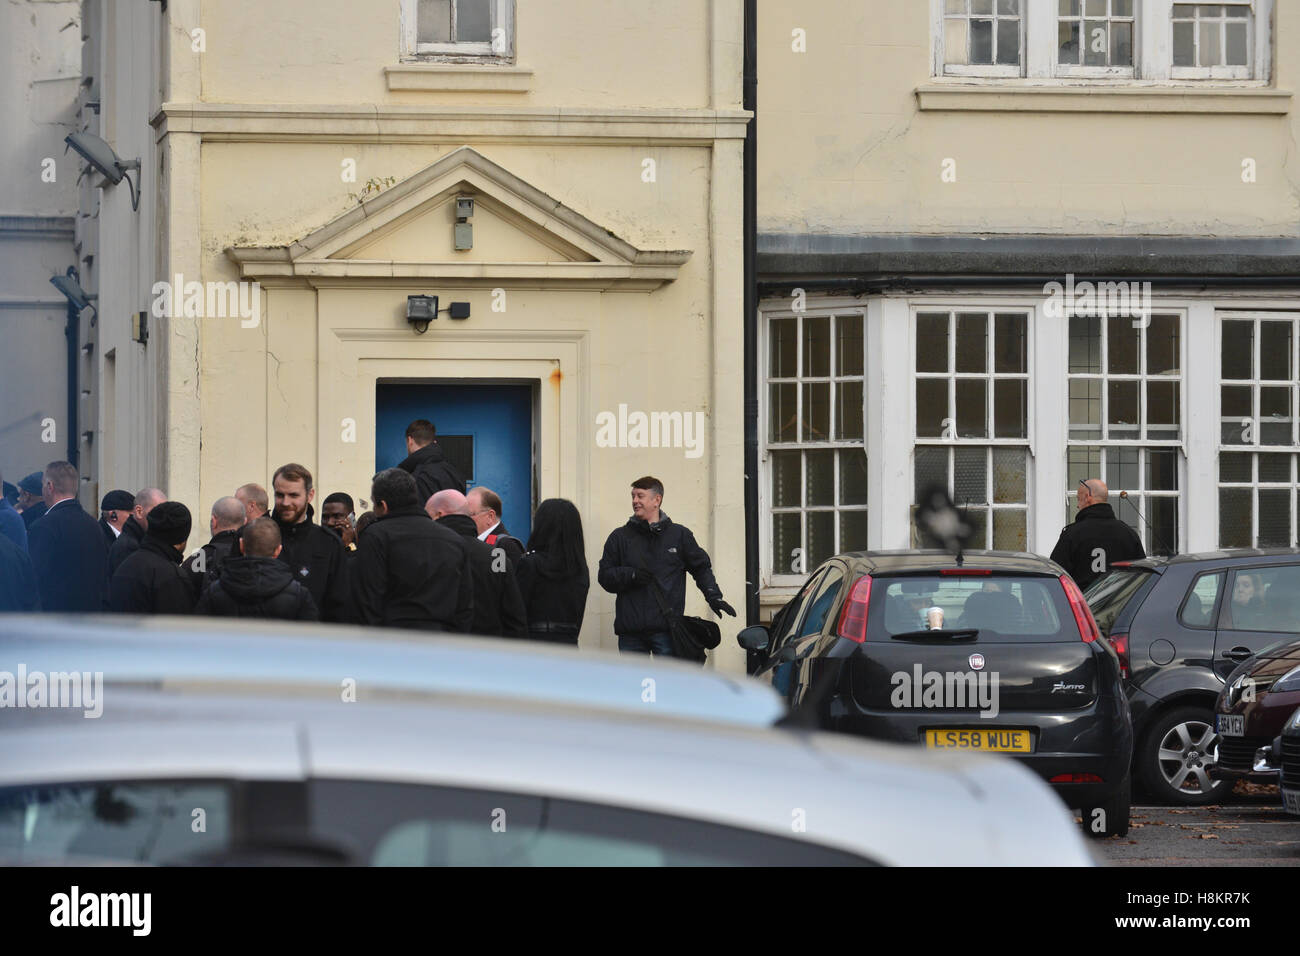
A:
x: 406, y: 233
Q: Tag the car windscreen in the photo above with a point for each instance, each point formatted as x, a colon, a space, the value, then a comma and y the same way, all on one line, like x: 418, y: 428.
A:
x: 1111, y: 593
x: 1016, y: 608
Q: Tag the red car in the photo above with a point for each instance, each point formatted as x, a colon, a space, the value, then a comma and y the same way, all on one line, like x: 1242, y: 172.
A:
x: 1255, y: 704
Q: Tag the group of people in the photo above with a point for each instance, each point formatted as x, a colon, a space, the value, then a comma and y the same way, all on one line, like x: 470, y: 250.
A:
x: 429, y: 556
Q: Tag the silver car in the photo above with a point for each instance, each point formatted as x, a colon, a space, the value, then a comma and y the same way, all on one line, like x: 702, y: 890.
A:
x: 206, y: 742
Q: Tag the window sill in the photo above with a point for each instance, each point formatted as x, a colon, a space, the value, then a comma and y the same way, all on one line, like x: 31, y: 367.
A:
x: 458, y: 78
x: 1008, y: 97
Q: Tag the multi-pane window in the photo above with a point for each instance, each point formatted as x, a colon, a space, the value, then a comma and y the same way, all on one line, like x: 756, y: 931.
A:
x: 1258, y: 431
x: 458, y: 27
x: 982, y: 37
x: 1095, y: 33
x: 1213, y: 39
x: 1125, y: 415
x: 972, y: 417
x: 815, y: 451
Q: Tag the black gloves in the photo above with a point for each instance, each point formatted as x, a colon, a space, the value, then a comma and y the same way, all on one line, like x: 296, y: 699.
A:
x: 718, y: 606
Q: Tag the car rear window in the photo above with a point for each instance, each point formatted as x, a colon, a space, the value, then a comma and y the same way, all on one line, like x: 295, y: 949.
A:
x: 1025, y: 608
x: 1110, y: 594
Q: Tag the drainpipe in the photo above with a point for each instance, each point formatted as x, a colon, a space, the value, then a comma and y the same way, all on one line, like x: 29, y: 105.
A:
x: 72, y: 332
x: 750, y: 100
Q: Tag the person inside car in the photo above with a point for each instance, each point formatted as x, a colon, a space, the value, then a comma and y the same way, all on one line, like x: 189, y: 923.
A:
x: 1247, y: 603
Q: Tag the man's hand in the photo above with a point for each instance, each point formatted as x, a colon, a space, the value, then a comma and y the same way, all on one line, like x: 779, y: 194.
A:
x: 719, y: 606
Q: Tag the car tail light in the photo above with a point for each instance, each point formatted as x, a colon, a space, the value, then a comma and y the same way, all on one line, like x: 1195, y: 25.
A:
x: 853, y: 617
x: 1119, y: 641
x: 1082, y: 615
x: 1076, y: 778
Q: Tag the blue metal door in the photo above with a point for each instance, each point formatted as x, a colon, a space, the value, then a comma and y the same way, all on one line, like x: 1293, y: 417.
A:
x: 487, y: 430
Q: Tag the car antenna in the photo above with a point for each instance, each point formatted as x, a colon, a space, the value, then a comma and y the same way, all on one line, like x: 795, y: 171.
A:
x: 1154, y: 537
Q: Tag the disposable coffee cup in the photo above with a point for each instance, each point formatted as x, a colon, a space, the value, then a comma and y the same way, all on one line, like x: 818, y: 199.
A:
x: 934, y: 618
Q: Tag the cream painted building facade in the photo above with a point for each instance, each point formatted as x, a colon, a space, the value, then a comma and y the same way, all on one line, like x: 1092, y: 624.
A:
x: 926, y: 172
x: 319, y: 151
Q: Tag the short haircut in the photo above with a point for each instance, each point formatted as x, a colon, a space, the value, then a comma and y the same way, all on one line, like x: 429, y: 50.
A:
x: 229, y: 512
x: 260, y: 538
x: 63, y: 475
x: 256, y: 494
x: 364, y: 520
x: 394, y: 487
x: 650, y: 484
x: 147, y: 498
x: 489, y: 498
x: 293, y: 472
x: 340, y: 497
x: 421, y: 431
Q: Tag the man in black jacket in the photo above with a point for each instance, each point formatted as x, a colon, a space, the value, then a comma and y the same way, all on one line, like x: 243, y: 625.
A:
x: 203, y: 566
x: 114, y: 511
x: 31, y: 503
x: 484, y: 506
x: 313, y: 554
x: 18, y: 590
x: 67, y: 547
x: 498, y: 605
x: 254, y: 584
x: 411, y: 571
x: 150, y: 580
x: 133, y: 531
x: 651, y: 548
x: 426, y: 462
x: 1097, y: 539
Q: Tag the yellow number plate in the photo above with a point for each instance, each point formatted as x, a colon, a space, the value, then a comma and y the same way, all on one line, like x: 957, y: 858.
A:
x: 1006, y: 741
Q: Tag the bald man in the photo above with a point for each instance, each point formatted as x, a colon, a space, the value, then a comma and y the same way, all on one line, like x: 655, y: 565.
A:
x: 498, y: 602
x: 255, y: 499
x: 128, y: 542
x: 227, y: 518
x: 1097, y: 539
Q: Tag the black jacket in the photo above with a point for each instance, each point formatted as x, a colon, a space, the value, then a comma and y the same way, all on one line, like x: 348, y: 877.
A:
x: 315, y: 556
x: 432, y: 471
x: 499, y: 537
x: 667, y: 551
x: 151, y: 581
x: 215, y: 553
x: 18, y: 590
x: 32, y: 514
x: 414, y: 573
x: 257, y: 587
x: 125, y: 545
x: 498, y: 607
x: 554, y: 602
x: 107, y: 530
x: 70, y: 559
x: 1096, y: 538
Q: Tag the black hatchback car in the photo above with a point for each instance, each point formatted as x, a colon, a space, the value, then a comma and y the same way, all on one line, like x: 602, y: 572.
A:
x: 1182, y: 625
x: 997, y: 653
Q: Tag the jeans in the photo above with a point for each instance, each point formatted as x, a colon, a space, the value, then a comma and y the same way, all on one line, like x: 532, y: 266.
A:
x: 659, y: 644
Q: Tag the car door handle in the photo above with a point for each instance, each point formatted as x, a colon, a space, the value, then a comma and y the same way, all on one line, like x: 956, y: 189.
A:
x: 1238, y: 653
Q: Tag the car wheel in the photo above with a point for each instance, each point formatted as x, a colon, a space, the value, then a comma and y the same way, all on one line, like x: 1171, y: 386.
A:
x: 1111, y: 817
x: 1175, y: 757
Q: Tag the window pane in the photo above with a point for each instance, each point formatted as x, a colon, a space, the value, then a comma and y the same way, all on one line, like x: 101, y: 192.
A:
x: 1210, y: 53
x: 1234, y: 517
x: 1121, y: 346
x: 1121, y: 44
x: 821, y: 477
x: 1184, y: 45
x: 978, y: 519
x: 821, y: 536
x: 1009, y: 7
x: 848, y: 344
x: 1096, y: 42
x: 1275, y: 415
x: 1237, y: 10
x: 1275, y: 351
x: 1234, y: 466
x: 970, y: 476
x: 1069, y: 8
x: 931, y: 406
x: 1009, y: 530
x: 1274, y: 518
x: 1238, y: 350
x: 786, y: 466
x: 1010, y: 408
x: 1082, y: 462
x: 853, y: 477
x: 1085, y: 345
x: 1238, y: 44
x: 931, y: 468
x: 1123, y: 409
x: 1121, y: 8
x: 816, y: 412
x: 932, y: 342
x: 781, y: 413
x: 1010, y: 345
x: 954, y: 41
x: 1163, y: 416
x: 972, y: 343
x: 972, y: 408
x: 1274, y: 468
x: 853, y: 531
x: 785, y: 541
x: 1008, y: 475
x: 474, y: 21
x: 817, y: 346
x: 1067, y: 42
x: 1094, y: 8
x: 981, y: 42
x: 1163, y: 514
x: 954, y: 6
x: 1162, y: 345
x: 433, y: 21
x: 848, y: 411
x: 1085, y: 409
x: 782, y: 348
x: 1162, y: 469
x: 981, y: 6
x: 1009, y: 42
x: 1122, y: 469
x: 1238, y: 414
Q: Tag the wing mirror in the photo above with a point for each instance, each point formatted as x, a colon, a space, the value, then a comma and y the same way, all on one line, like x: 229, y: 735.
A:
x: 754, y: 638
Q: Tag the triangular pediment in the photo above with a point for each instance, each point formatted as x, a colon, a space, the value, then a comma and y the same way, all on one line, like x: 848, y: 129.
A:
x: 407, y: 232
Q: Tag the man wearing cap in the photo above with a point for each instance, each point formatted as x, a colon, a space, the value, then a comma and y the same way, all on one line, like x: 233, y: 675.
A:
x: 31, y: 503
x: 133, y: 531
x: 67, y: 548
x: 114, y: 510
x: 11, y: 524
x: 150, y: 580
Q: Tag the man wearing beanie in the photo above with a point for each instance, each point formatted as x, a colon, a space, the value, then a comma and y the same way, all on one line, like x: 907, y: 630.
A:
x: 114, y: 510
x: 31, y: 503
x: 150, y: 580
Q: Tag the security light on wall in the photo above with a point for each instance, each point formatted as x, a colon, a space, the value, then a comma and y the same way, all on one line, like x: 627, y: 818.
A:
x: 423, y: 309
x: 106, y: 162
x: 71, y: 289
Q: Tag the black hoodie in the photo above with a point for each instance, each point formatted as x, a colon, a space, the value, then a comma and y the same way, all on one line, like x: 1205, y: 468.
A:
x: 432, y: 472
x: 150, y: 581
x: 257, y: 587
